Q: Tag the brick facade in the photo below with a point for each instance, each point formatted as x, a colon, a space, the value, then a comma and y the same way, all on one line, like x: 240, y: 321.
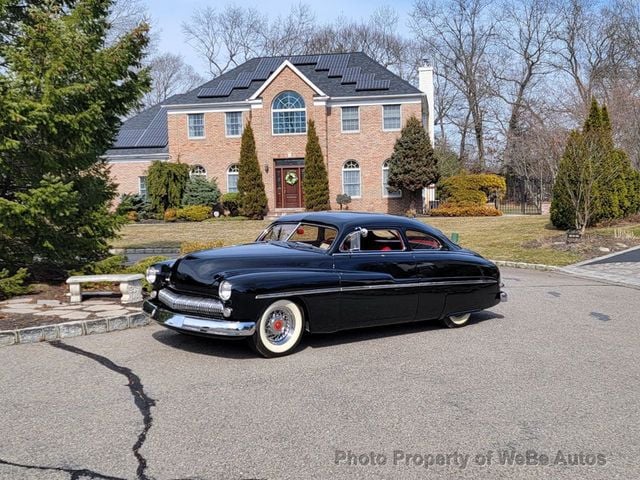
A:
x: 370, y: 147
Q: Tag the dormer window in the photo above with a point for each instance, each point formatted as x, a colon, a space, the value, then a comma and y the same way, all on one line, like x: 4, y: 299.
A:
x: 289, y: 114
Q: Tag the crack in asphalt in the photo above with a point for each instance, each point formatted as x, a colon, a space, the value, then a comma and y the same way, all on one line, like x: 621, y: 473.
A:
x: 75, y: 474
x: 142, y: 401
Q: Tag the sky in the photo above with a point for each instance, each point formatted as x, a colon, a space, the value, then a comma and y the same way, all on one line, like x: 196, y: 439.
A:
x: 168, y: 16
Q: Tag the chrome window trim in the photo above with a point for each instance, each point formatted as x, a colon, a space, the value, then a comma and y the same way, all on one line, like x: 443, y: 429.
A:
x: 317, y: 291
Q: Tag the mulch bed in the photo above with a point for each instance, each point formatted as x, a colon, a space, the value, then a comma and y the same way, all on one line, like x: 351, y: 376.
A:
x: 588, y: 246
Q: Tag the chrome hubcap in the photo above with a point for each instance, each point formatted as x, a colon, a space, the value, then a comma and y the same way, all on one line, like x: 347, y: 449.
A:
x: 460, y: 318
x: 280, y: 326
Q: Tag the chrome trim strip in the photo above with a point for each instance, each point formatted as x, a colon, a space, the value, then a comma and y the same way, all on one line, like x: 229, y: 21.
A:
x: 318, y: 291
x: 225, y: 328
x: 191, y: 304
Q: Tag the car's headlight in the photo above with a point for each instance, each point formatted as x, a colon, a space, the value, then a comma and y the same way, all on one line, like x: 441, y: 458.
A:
x: 152, y: 274
x: 224, y: 291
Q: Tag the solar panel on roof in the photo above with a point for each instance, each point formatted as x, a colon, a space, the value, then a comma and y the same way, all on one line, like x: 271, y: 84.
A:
x: 266, y: 67
x: 222, y: 89
x: 244, y: 80
x: 368, y: 81
x: 325, y: 62
x: 338, y: 67
x: 156, y: 134
x: 128, y: 138
x: 304, y: 59
x: 351, y: 75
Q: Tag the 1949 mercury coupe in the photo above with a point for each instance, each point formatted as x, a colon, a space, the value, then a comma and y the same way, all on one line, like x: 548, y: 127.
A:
x: 322, y: 272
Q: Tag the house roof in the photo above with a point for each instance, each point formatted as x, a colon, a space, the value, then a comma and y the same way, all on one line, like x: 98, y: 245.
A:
x: 336, y: 75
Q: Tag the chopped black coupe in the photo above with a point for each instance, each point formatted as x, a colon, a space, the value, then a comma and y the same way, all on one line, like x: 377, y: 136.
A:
x: 322, y: 272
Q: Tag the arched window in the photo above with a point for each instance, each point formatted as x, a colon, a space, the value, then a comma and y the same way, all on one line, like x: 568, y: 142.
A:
x: 289, y: 114
x: 198, y: 171
x: 232, y: 178
x: 351, y: 179
x: 386, y: 192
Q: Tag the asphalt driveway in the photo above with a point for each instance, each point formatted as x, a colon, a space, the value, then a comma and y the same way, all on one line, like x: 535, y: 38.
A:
x: 553, y: 375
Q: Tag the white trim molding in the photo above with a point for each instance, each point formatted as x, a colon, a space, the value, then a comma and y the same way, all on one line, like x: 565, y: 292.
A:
x: 275, y: 74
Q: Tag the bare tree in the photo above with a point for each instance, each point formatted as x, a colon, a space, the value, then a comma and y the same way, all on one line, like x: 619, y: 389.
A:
x: 170, y: 75
x: 461, y: 35
x: 290, y: 34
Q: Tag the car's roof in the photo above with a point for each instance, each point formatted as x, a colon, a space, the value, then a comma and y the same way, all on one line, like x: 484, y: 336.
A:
x: 348, y: 220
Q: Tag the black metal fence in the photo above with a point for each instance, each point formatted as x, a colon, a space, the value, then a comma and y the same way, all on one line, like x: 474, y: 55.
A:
x: 525, y: 196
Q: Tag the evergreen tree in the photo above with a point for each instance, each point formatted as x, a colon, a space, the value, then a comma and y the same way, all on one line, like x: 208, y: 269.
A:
x: 200, y: 191
x: 412, y: 165
x: 62, y: 94
x: 253, y: 199
x: 594, y: 180
x: 166, y: 184
x: 316, y: 182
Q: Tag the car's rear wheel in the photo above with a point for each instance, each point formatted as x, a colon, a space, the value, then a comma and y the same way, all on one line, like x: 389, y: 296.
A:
x: 279, y: 329
x: 456, y: 321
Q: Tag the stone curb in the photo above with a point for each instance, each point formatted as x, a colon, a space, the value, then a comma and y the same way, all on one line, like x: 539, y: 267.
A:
x: 59, y: 331
x: 528, y: 266
x: 152, y: 251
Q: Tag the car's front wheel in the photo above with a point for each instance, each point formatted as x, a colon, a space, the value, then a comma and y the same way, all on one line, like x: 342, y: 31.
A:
x: 279, y: 329
x: 456, y: 321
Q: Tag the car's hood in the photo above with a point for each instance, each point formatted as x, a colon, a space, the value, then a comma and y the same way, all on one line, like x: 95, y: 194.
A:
x: 201, y: 271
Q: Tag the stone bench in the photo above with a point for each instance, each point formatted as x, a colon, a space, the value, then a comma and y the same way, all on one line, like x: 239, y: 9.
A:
x: 130, y: 285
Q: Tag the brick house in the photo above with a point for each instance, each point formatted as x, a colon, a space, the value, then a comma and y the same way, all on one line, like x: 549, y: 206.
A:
x: 358, y: 107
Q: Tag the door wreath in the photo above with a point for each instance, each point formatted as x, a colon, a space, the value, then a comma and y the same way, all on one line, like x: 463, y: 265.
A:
x: 291, y: 178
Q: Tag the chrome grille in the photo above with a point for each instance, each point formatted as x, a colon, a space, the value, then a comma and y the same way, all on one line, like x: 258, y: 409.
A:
x: 190, y: 304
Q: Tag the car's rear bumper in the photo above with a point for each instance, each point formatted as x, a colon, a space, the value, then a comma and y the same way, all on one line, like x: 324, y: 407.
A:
x: 194, y: 324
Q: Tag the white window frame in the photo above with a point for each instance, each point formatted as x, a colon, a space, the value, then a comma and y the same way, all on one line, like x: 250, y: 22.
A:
x: 146, y: 186
x: 385, y: 186
x: 193, y: 173
x: 226, y: 124
x: 342, y: 119
x: 399, y: 105
x: 236, y: 173
x: 359, y: 170
x: 278, y: 110
x: 189, y: 117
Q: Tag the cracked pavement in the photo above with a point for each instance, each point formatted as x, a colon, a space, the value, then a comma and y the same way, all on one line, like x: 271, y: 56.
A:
x: 555, y: 368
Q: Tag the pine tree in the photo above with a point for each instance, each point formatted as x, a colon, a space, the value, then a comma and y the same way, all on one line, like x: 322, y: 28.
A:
x: 253, y: 199
x: 413, y: 165
x: 63, y: 91
x: 316, y: 182
x: 167, y: 182
x: 200, y: 191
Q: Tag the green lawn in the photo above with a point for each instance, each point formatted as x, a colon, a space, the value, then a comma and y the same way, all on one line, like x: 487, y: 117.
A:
x: 498, y: 238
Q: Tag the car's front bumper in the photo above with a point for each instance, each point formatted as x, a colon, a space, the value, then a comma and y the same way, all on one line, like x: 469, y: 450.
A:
x: 199, y: 325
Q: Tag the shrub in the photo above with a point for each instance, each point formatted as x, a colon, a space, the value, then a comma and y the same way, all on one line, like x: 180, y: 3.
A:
x: 166, y: 183
x: 465, y: 210
x: 200, y: 191
x: 316, y: 182
x: 194, y: 213
x: 134, y: 203
x: 188, y: 247
x: 141, y: 267
x: 14, y: 284
x: 253, y: 199
x: 343, y: 200
x: 132, y: 216
x: 231, y: 203
x: 473, y: 188
x: 170, y: 215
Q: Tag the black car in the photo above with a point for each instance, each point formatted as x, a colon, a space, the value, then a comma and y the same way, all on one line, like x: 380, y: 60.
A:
x: 322, y: 272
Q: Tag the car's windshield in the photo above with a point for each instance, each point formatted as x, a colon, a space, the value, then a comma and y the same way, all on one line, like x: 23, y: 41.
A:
x: 301, y: 234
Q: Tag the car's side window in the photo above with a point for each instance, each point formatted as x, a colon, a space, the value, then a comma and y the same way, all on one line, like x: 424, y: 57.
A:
x: 422, y: 241
x: 376, y: 240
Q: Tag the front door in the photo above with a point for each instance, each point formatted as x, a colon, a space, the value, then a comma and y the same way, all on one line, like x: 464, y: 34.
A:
x: 289, y: 186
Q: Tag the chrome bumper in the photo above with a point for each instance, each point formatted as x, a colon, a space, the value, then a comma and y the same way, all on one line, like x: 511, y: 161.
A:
x: 503, y: 297
x: 206, y: 326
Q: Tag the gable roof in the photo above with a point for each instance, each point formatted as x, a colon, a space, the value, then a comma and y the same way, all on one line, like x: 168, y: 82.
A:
x: 334, y: 75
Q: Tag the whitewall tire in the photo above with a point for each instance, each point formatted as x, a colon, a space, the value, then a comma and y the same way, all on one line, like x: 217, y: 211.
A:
x: 456, y: 321
x: 279, y: 329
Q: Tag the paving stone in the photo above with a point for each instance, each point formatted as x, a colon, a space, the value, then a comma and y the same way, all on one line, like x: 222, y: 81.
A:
x: 52, y: 313
x: 75, y: 315
x: 20, y: 310
x: 103, y: 308
x: 20, y: 300
x: 49, y: 303
x: 7, y: 338
x: 50, y: 333
x: 118, y: 323
x: 31, y: 335
x: 70, y: 329
x: 23, y: 305
x: 138, y: 320
x: 97, y: 302
x: 96, y: 326
x: 112, y: 313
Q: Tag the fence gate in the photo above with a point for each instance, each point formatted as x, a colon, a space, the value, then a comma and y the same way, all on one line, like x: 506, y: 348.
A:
x: 525, y: 196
